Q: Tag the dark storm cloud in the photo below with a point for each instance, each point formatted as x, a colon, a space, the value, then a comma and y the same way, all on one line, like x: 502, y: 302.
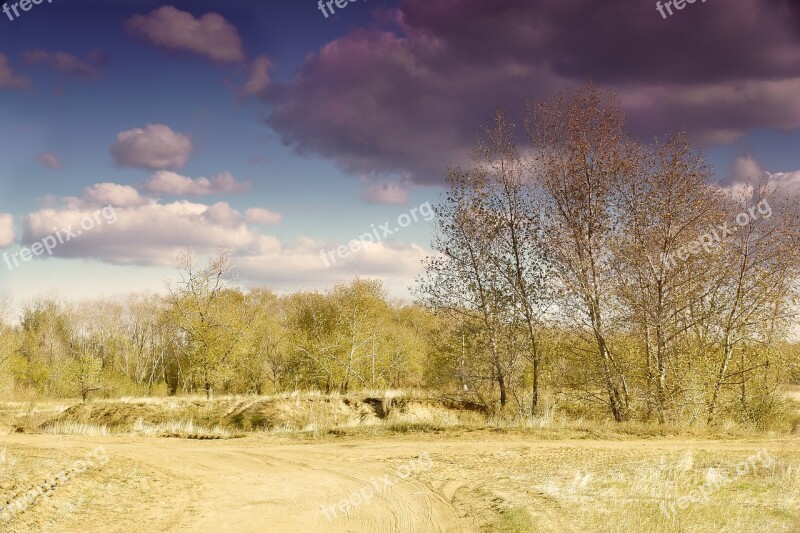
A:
x: 405, y: 98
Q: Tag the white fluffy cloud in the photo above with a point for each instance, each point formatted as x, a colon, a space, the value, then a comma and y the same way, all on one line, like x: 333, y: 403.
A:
x: 167, y: 182
x: 788, y: 181
x: 258, y: 215
x: 297, y: 264
x: 746, y: 168
x: 6, y: 230
x: 153, y: 234
x: 147, y: 232
x: 102, y: 194
x: 746, y: 172
x: 155, y: 147
x: 210, y: 35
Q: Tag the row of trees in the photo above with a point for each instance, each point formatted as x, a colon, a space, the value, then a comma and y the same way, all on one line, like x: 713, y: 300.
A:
x: 207, y: 336
x: 670, y: 303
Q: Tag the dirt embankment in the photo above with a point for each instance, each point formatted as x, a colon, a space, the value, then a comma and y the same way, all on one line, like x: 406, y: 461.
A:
x: 269, y: 413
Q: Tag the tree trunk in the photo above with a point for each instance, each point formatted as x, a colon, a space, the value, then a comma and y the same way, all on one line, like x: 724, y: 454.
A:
x: 501, y: 380
x: 718, y: 383
x: 535, y: 385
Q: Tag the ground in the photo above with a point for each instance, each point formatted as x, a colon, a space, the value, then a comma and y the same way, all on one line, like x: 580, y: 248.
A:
x: 459, y: 480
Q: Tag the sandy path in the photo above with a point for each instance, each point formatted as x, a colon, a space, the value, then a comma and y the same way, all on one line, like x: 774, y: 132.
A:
x: 246, y: 485
x: 241, y: 486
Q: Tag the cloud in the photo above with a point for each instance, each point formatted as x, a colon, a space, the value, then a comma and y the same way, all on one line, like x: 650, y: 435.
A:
x: 7, y: 237
x: 10, y: 79
x: 786, y: 181
x: 167, y: 182
x: 50, y: 160
x: 258, y: 215
x: 258, y: 79
x: 155, y: 147
x: 102, y: 194
x: 210, y: 35
x: 149, y: 234
x: 62, y: 62
x: 152, y: 233
x: 385, y: 192
x: 99, y: 57
x: 745, y: 168
x: 746, y: 173
x: 297, y: 264
x: 407, y: 95
x: 715, y: 113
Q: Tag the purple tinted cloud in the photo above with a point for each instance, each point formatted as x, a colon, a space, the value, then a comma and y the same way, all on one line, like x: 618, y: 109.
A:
x: 407, y: 95
x: 210, y: 35
x: 155, y: 147
x: 62, y: 62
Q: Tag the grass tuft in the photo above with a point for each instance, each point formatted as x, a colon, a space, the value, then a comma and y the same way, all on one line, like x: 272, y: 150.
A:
x: 185, y: 429
x: 82, y: 429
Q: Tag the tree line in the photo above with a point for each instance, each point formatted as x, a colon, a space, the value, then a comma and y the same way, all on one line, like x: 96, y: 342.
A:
x: 206, y: 336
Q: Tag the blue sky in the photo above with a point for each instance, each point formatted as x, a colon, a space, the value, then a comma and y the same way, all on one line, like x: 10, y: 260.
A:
x: 275, y: 131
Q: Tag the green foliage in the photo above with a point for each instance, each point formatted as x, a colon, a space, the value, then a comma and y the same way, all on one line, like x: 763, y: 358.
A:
x: 83, y: 373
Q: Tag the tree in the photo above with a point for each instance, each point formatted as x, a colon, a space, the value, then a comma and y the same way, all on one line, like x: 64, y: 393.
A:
x: 210, y: 318
x: 663, y: 207
x: 581, y: 154
x: 757, y: 295
x: 335, y: 333
x: 510, y: 219
x: 84, y: 372
x: 45, y: 349
x: 463, y: 278
x: 264, y: 355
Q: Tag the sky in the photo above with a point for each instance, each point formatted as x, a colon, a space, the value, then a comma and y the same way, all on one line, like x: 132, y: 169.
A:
x: 133, y: 130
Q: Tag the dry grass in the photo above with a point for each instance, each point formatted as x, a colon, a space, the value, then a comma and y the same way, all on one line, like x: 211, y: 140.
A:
x: 307, y: 413
x: 76, y: 429
x: 15, y: 415
x: 584, y: 489
x: 314, y: 414
x: 186, y: 429
x: 792, y: 392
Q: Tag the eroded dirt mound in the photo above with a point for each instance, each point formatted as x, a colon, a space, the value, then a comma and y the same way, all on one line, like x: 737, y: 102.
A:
x: 266, y: 413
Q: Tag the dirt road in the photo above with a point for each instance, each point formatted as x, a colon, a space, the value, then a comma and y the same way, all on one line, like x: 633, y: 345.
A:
x: 248, y: 485
x: 242, y: 486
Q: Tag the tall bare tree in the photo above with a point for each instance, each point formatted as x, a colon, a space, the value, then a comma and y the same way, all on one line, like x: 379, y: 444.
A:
x: 581, y: 154
x: 463, y: 278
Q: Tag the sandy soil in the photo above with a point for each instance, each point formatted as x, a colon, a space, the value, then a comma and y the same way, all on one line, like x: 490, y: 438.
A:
x: 253, y: 485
